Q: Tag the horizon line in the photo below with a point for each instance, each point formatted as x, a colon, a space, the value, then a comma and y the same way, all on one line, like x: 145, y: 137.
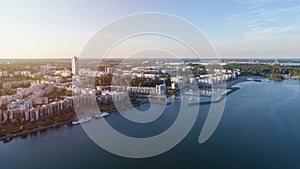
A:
x: 64, y: 58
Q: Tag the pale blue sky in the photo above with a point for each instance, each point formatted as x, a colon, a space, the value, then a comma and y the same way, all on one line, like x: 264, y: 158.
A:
x: 61, y: 28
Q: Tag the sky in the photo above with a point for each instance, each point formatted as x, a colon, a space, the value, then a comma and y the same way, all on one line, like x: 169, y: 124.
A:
x: 237, y: 28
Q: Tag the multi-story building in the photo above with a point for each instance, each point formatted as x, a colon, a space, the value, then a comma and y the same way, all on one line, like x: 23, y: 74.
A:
x: 74, y: 61
x: 28, y: 112
x: 114, y: 96
x: 158, y: 90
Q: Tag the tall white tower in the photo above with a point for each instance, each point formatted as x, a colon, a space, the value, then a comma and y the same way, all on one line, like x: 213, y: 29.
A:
x: 74, y: 60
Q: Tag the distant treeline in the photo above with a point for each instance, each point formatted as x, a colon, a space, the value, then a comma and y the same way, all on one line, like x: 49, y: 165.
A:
x: 273, y: 72
x: 33, y: 65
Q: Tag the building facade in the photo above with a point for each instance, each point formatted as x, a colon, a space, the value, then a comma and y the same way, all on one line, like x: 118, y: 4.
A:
x: 74, y: 61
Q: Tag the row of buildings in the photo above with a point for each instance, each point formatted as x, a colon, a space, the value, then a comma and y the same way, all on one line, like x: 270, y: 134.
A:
x: 107, y: 94
x: 24, y: 73
x: 31, y: 102
x: 28, y: 113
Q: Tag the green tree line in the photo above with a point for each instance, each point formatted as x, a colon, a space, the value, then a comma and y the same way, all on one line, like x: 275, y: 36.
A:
x: 273, y: 72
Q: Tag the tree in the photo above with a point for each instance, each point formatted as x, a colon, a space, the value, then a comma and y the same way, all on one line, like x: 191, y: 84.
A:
x: 14, y: 122
x: 4, y: 122
x: 33, y: 121
x: 21, y: 127
x: 43, y: 119
x: 23, y: 121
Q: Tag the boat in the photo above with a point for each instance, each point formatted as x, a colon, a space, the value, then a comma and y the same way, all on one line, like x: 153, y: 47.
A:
x: 75, y: 122
x: 103, y: 114
x: 85, y: 119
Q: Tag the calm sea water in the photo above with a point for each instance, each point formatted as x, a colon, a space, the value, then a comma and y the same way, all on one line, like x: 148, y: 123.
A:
x: 291, y: 64
x: 260, y: 128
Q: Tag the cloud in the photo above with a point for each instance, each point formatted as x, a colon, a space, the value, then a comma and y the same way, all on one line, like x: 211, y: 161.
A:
x: 260, y: 21
x: 260, y: 32
x: 290, y: 9
x: 255, y: 2
x: 265, y: 28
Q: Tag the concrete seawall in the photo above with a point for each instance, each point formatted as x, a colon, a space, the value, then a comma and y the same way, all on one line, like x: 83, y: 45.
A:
x: 218, y: 99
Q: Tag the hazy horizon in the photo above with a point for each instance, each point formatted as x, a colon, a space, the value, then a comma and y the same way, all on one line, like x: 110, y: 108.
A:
x: 166, y: 58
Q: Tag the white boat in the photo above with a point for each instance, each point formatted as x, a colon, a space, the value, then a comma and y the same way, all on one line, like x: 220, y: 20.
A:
x: 75, y: 122
x: 103, y: 114
x: 84, y: 119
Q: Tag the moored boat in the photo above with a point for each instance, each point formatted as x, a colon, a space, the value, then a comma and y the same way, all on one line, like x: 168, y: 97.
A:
x: 103, y: 114
x: 84, y: 119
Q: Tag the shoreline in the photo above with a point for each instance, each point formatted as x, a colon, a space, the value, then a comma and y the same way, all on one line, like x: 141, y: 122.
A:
x: 241, y: 79
x: 9, y: 136
x: 218, y: 99
x: 230, y: 89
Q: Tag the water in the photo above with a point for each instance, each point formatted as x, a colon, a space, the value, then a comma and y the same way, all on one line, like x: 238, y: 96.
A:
x: 259, y: 129
x: 291, y: 64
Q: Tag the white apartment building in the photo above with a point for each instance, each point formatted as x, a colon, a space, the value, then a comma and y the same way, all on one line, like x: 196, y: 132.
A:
x: 158, y: 90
